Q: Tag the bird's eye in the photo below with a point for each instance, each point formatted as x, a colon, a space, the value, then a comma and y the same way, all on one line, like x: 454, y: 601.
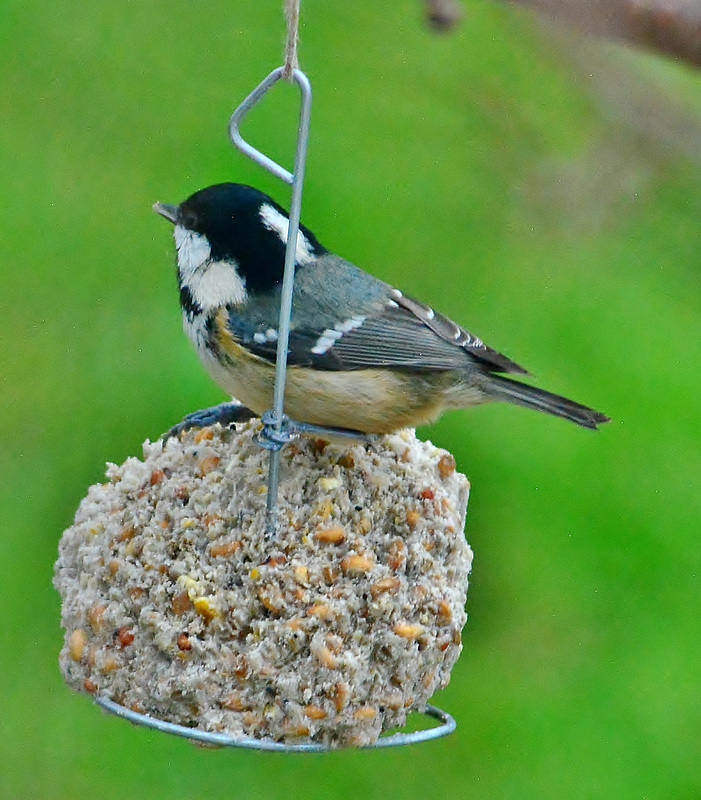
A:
x: 188, y: 220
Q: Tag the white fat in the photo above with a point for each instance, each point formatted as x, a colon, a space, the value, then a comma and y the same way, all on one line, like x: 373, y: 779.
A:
x: 211, y: 283
x: 275, y: 221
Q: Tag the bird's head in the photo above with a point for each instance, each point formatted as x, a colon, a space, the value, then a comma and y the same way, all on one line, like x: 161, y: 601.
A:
x: 230, y: 242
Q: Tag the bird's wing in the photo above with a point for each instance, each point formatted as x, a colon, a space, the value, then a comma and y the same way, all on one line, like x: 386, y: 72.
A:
x: 399, y: 334
x: 452, y: 333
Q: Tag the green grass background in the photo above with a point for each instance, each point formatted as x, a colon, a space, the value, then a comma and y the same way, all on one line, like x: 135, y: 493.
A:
x: 476, y: 171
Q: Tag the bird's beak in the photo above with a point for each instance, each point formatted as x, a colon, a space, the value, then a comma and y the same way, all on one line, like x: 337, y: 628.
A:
x: 167, y: 211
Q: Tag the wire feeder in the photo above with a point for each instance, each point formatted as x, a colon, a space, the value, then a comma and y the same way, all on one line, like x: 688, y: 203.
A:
x: 278, y: 429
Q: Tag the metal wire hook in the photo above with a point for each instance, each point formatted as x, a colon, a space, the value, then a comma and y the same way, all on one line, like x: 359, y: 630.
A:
x: 296, y: 180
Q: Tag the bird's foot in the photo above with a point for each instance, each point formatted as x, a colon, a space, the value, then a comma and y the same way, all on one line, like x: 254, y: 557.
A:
x: 225, y: 414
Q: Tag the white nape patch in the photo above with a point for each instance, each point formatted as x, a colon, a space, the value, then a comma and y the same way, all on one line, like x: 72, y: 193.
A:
x: 212, y: 284
x: 271, y: 335
x: 329, y: 337
x: 275, y: 221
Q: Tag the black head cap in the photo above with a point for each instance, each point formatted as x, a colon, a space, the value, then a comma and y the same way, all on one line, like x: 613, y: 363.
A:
x: 229, y: 215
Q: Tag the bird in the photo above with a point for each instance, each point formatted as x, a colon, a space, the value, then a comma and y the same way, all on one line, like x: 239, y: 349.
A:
x: 362, y: 355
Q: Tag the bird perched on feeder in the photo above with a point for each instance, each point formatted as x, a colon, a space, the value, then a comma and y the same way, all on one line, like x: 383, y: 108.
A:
x: 362, y: 356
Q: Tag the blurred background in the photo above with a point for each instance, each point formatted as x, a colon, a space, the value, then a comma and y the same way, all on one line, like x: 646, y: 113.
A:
x: 543, y: 190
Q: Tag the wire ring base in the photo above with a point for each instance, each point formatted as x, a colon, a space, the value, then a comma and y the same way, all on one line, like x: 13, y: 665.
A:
x: 447, y: 726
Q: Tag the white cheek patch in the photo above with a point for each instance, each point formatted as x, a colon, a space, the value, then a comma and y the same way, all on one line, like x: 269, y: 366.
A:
x: 212, y: 284
x: 218, y: 285
x: 275, y: 221
x: 193, y: 250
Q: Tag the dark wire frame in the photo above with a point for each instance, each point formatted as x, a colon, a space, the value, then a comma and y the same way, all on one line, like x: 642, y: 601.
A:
x: 278, y: 430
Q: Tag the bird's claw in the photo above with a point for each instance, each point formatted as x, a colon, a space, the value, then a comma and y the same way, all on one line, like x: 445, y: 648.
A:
x: 270, y: 438
x: 225, y: 414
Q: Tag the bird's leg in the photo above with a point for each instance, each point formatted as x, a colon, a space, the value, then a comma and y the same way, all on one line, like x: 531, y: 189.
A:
x: 272, y: 439
x: 225, y: 414
x: 335, y: 435
x: 229, y: 413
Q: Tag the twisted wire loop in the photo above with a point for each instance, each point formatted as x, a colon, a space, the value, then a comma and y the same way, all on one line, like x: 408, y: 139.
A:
x: 275, y: 435
x: 446, y: 727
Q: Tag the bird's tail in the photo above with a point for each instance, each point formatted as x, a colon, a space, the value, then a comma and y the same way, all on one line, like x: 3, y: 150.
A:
x: 521, y: 394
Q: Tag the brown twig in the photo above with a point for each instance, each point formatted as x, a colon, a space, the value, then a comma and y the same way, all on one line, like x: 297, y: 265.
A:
x: 671, y: 27
x: 443, y: 15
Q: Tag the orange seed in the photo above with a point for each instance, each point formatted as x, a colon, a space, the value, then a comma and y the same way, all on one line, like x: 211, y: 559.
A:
x: 330, y: 535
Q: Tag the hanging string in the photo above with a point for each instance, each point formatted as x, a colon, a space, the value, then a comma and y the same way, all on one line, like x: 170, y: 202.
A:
x: 292, y: 15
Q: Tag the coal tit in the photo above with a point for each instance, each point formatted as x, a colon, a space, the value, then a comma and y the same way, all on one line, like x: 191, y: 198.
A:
x: 362, y: 355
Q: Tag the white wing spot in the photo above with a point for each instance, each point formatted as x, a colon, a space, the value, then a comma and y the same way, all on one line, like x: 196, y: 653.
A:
x: 323, y: 345
x: 280, y: 224
x: 349, y: 324
x: 269, y: 336
x: 396, y: 293
x: 329, y: 337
